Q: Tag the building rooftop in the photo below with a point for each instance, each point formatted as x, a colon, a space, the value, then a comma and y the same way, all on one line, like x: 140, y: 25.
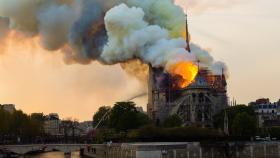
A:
x: 11, y: 108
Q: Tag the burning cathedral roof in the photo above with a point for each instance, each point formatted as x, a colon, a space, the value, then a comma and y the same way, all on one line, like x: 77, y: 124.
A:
x: 199, y: 82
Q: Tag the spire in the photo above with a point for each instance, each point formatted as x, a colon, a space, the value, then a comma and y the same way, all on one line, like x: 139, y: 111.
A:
x: 198, y: 64
x: 188, y: 48
x: 223, y: 77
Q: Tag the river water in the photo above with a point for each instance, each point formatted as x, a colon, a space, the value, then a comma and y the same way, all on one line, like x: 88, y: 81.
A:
x: 54, y: 155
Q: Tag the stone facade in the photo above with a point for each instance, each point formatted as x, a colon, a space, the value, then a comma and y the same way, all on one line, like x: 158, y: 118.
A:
x: 51, y: 124
x: 195, y: 104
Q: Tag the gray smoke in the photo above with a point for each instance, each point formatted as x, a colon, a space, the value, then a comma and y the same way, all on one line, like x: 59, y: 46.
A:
x: 4, y: 30
x: 207, y: 61
x: 137, y: 69
x: 110, y: 31
x: 4, y: 27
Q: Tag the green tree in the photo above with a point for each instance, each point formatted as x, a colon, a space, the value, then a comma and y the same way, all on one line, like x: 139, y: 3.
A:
x: 244, y: 125
x: 5, y: 119
x: 101, y: 114
x: 124, y: 116
x: 173, y: 121
x: 143, y: 119
x: 38, y: 117
x: 37, y: 123
x: 19, y: 124
x: 232, y: 112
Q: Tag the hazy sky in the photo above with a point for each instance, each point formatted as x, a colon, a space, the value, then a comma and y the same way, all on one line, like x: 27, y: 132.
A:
x: 245, y: 36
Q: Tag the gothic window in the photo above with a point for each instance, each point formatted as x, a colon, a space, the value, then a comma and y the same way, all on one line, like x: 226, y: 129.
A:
x: 184, y: 111
x: 193, y: 97
x: 201, y: 97
x: 207, y: 113
x: 198, y: 113
x: 207, y: 100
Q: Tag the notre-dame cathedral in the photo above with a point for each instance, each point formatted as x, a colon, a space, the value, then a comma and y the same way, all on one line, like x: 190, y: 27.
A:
x: 195, y: 105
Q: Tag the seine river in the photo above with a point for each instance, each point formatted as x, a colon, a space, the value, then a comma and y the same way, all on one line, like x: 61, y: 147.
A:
x: 55, y: 155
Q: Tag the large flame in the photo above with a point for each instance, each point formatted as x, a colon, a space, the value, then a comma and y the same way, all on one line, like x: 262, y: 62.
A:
x: 184, y: 72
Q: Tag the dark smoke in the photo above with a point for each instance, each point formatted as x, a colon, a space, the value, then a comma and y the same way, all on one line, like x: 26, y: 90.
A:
x: 88, y: 35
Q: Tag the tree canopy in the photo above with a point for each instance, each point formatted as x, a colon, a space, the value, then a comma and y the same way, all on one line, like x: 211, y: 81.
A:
x: 122, y: 117
x: 244, y: 124
x: 100, y: 114
x: 173, y: 121
x: 236, y: 114
x: 19, y: 124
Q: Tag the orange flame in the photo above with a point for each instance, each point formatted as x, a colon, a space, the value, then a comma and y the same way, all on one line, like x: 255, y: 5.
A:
x: 184, y: 72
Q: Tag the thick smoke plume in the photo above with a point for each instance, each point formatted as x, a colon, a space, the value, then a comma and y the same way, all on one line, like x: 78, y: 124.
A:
x: 207, y: 61
x: 111, y: 31
x: 136, y: 68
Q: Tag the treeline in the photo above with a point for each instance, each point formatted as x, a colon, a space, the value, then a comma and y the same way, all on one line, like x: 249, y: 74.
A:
x: 122, y: 117
x: 123, y: 122
x: 18, y: 126
x: 242, y: 124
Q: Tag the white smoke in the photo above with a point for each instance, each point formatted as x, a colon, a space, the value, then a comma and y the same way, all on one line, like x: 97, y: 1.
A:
x: 219, y: 67
x: 110, y: 31
x: 207, y: 61
x: 132, y: 37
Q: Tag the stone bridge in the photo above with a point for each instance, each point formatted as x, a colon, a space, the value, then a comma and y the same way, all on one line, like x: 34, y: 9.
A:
x: 24, y: 149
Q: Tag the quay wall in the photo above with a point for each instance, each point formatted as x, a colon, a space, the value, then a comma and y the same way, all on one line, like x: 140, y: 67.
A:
x: 185, y: 150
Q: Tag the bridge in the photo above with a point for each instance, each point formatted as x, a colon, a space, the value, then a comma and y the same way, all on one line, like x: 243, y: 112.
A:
x: 25, y: 149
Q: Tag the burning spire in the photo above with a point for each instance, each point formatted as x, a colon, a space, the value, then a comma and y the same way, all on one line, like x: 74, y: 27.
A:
x: 188, y: 48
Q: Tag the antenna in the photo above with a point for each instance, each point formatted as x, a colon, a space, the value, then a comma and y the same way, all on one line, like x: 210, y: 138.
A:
x: 188, y: 48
